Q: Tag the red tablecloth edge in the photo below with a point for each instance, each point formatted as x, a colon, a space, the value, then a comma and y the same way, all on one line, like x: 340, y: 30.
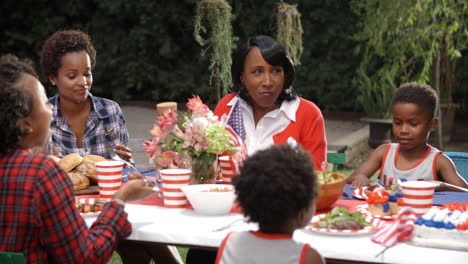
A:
x: 155, y: 200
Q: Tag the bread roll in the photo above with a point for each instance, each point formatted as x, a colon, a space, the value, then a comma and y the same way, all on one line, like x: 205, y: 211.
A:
x: 69, y: 162
x: 88, y: 167
x: 93, y: 158
x: 55, y: 158
x: 79, y: 181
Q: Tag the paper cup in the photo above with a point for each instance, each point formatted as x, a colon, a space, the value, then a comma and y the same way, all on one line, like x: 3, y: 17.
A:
x: 172, y: 180
x: 418, y: 195
x: 228, y: 168
x: 109, y: 174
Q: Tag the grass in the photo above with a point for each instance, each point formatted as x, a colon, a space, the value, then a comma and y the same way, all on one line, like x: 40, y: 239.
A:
x: 116, y: 258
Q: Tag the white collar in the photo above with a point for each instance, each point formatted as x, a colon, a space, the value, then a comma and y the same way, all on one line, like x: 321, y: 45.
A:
x: 289, y: 108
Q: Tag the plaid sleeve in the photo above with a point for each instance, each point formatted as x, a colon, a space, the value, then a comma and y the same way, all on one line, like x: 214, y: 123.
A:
x: 122, y: 127
x: 64, y: 233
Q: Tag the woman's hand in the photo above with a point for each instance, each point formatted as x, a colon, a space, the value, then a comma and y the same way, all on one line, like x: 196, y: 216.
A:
x: 124, y: 152
x: 134, y: 189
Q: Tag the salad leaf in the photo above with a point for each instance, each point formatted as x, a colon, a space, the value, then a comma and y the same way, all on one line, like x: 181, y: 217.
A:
x: 341, y: 214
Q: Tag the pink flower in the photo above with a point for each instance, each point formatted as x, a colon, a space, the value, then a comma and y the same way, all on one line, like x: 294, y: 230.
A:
x: 151, y: 147
x: 156, y: 131
x: 168, y: 159
x: 167, y: 119
x: 197, y: 107
x: 179, y: 137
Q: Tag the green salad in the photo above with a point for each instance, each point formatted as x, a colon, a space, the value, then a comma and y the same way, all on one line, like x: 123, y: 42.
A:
x: 340, y: 218
x: 325, y: 177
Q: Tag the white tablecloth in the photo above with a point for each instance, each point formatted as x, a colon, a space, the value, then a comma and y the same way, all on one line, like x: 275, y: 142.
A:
x: 185, y: 227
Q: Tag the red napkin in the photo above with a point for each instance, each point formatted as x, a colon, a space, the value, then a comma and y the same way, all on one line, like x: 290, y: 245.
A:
x: 399, y: 231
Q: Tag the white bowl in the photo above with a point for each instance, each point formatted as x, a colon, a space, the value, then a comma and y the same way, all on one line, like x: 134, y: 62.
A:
x: 208, y: 202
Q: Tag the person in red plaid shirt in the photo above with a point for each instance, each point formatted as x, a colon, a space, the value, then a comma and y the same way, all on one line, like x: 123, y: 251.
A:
x: 38, y: 216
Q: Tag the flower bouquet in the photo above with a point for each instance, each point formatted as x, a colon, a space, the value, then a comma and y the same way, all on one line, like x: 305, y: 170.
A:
x: 191, y: 140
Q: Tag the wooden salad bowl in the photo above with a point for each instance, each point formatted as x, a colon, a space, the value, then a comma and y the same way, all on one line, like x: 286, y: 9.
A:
x: 330, y: 192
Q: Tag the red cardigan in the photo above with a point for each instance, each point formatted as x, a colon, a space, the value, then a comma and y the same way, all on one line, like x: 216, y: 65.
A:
x: 308, y: 129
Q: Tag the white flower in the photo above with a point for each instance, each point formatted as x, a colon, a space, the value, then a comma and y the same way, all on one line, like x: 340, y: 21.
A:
x: 201, y: 123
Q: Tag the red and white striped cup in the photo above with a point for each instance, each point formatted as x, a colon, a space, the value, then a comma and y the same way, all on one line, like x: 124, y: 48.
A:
x: 228, y: 168
x: 172, y: 180
x: 109, y: 173
x: 418, y: 195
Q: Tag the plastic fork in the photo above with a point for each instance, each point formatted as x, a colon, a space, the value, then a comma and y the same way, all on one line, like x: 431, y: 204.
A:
x: 114, y: 156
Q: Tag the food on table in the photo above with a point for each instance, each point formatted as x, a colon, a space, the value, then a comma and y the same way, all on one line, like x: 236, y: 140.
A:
x: 81, y: 170
x: 445, y: 226
x: 341, y: 219
x: 55, y: 158
x: 384, y: 202
x: 225, y: 189
x: 70, y: 161
x: 88, y: 167
x: 326, y: 177
x: 79, y: 181
x: 90, y: 205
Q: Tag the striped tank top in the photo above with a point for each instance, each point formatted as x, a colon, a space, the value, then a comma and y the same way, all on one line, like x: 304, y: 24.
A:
x: 424, y: 169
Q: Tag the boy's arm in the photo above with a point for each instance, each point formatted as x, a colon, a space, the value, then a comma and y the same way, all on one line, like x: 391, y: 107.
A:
x: 448, y: 174
x: 361, y: 175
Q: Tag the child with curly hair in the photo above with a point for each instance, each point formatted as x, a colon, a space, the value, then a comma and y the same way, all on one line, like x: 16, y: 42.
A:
x: 411, y: 158
x: 276, y: 188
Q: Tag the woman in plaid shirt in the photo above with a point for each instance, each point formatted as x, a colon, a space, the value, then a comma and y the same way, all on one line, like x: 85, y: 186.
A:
x: 38, y: 216
x: 81, y: 122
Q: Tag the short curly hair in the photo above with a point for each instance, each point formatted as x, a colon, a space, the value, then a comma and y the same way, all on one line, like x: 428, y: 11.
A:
x: 15, y: 101
x: 276, y: 184
x: 273, y: 53
x: 61, y: 43
x: 422, y: 95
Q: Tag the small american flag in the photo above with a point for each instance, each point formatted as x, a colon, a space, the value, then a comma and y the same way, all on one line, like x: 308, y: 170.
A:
x: 236, y: 129
x: 399, y: 231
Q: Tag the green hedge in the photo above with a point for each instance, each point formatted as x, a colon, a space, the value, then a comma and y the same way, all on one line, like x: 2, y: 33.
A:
x: 146, y: 49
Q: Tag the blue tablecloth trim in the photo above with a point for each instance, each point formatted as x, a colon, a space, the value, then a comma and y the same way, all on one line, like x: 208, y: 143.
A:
x: 440, y: 198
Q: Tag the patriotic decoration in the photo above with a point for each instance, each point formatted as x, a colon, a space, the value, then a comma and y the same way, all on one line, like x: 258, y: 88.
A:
x: 399, y: 231
x: 387, y: 180
x: 360, y: 193
x: 235, y: 126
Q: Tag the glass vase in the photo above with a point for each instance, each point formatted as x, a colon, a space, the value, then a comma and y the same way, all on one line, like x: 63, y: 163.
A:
x: 202, y: 172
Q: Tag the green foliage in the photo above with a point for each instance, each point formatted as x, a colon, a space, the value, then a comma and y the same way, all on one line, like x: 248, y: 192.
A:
x: 151, y: 55
x: 215, y: 16
x: 290, y: 30
x: 146, y: 49
x: 402, y: 39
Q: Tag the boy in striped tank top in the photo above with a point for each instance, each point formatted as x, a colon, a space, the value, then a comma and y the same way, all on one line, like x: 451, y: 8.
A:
x: 276, y: 188
x: 411, y: 158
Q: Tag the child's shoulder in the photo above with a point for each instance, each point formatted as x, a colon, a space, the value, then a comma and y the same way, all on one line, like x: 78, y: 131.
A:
x: 383, y: 149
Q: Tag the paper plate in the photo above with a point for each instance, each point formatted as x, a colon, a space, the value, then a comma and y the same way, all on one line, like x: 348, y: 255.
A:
x: 364, y: 208
x: 377, y: 225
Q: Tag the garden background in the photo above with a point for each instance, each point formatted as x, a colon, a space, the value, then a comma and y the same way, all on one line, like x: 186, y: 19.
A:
x: 146, y: 50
